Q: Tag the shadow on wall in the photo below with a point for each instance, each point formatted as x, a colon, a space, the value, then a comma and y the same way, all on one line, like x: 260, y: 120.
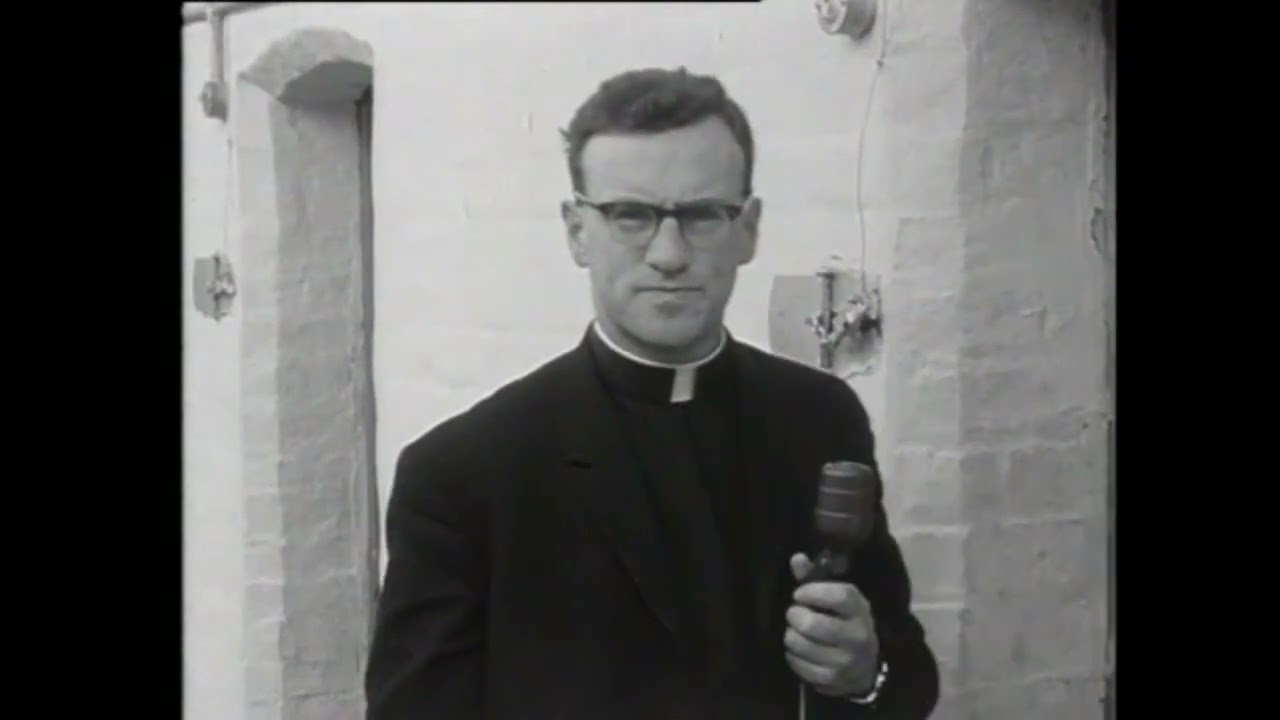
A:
x: 1109, y: 33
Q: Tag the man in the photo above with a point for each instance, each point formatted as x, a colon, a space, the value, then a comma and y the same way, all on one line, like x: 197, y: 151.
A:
x: 624, y: 532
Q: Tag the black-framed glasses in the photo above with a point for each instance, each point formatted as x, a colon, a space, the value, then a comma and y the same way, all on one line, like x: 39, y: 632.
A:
x: 703, y: 223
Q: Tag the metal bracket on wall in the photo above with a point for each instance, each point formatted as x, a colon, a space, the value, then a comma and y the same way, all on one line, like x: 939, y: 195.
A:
x: 214, y: 286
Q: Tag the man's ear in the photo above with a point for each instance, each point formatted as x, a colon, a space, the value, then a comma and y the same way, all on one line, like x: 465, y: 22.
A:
x: 749, y: 222
x: 575, y: 233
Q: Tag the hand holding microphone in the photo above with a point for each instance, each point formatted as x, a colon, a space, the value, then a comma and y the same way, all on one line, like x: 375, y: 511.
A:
x: 831, y: 640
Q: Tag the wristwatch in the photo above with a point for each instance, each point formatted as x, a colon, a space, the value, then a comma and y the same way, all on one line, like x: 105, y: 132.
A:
x: 870, y: 697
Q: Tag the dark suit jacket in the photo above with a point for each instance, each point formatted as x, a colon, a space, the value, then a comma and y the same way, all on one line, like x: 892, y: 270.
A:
x: 523, y: 581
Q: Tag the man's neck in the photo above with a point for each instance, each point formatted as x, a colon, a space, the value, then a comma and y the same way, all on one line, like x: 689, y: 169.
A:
x: 618, y: 348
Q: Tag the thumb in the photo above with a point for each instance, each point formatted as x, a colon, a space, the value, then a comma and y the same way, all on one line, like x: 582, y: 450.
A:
x: 800, y: 566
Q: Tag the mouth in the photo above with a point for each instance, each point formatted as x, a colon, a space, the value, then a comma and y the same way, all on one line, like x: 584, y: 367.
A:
x: 669, y: 289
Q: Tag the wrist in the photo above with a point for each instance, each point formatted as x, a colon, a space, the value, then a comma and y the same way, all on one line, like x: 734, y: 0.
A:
x: 869, y: 691
x: 865, y: 681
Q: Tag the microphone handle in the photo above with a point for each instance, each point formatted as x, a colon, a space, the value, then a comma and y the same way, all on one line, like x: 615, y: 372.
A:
x: 829, y: 565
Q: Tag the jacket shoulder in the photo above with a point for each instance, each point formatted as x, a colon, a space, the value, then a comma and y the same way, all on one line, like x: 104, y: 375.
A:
x: 502, y: 416
x: 808, y: 384
x: 448, y: 469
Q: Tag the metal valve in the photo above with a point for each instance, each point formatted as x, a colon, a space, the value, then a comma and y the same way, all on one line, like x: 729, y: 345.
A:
x: 857, y: 324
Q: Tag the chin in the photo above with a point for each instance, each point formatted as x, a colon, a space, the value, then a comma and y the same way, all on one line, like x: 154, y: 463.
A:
x: 667, y: 333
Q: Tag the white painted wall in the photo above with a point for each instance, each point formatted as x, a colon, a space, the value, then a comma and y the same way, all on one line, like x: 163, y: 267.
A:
x: 212, y: 484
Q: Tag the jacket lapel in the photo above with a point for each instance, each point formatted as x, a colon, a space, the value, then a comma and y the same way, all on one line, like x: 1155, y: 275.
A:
x: 604, y: 474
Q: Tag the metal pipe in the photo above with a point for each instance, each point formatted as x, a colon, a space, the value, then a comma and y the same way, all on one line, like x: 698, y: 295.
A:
x: 827, y: 319
x: 202, y: 12
x: 216, y: 48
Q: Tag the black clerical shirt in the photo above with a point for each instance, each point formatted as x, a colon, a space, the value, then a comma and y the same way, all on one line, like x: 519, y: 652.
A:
x: 682, y: 423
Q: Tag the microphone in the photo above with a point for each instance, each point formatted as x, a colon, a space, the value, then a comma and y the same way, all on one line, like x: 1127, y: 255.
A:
x: 844, y: 515
x: 843, y: 518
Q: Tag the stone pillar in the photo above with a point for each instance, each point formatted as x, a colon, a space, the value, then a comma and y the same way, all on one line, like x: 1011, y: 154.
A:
x: 310, y: 567
x: 998, y: 315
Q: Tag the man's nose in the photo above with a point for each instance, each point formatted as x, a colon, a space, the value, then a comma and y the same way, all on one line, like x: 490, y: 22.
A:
x: 668, y: 251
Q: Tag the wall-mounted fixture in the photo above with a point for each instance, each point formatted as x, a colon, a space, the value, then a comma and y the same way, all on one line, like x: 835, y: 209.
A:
x: 213, y: 99
x: 195, y: 12
x: 213, y: 286
x: 844, y: 336
x: 846, y: 17
x: 213, y: 96
x: 848, y: 320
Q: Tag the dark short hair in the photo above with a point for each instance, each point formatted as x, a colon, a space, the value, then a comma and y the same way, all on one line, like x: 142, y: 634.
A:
x: 654, y: 100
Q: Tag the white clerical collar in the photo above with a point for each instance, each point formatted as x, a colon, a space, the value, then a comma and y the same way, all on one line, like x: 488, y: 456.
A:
x: 685, y: 374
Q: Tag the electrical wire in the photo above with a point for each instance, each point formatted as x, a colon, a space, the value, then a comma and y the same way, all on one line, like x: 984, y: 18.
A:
x: 862, y: 140
x: 883, y: 23
x: 228, y: 191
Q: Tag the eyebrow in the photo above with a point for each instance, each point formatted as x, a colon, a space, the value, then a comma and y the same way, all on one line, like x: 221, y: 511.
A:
x: 682, y: 203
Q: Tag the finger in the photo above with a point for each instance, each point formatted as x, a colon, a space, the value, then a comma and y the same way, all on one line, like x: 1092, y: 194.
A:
x: 811, y: 672
x: 800, y: 566
x: 827, y: 629
x: 817, y: 627
x: 842, y: 599
x: 816, y: 653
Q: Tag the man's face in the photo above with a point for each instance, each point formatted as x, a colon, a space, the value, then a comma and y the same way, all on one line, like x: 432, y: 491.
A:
x: 663, y: 296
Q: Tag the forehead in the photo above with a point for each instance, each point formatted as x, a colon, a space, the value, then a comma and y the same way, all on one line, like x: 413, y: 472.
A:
x: 700, y: 161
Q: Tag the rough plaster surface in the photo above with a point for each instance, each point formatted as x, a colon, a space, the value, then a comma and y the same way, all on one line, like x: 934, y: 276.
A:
x: 982, y: 174
x: 996, y: 387
x: 308, y: 569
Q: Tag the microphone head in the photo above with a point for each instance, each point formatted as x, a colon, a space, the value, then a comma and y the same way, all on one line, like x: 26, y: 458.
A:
x: 845, y: 509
